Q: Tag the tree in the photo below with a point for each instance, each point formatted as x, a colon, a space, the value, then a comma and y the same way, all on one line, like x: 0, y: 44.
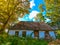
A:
x: 53, y: 11
x: 10, y: 10
x: 40, y: 14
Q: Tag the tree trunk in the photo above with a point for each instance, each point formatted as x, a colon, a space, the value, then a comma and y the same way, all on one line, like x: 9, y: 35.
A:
x: 4, y: 26
x: 2, y: 29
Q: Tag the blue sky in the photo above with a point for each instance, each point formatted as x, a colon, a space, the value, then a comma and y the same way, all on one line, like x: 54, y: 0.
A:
x: 35, y: 4
x: 34, y: 11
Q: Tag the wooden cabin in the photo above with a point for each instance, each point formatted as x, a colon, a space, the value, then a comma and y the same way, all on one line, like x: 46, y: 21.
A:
x: 34, y: 26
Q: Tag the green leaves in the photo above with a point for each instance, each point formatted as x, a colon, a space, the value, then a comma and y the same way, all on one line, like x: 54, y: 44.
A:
x: 10, y: 10
x: 40, y: 16
x: 52, y: 10
x: 13, y: 40
x: 41, y: 7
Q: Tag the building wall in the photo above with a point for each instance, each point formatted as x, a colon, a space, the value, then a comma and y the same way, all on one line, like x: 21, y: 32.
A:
x: 28, y: 33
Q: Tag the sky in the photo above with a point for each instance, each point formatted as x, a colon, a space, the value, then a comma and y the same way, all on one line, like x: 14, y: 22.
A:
x: 34, y: 11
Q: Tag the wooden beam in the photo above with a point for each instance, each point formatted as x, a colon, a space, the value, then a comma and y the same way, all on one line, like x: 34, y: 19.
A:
x: 16, y: 33
x: 31, y: 30
x: 47, y: 36
x: 24, y: 33
x: 36, y: 34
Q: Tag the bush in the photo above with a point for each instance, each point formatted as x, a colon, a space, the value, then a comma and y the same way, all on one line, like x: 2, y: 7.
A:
x: 58, y: 36
x: 13, y: 40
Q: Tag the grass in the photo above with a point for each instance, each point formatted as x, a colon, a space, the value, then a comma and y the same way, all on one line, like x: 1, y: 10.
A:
x: 13, y: 40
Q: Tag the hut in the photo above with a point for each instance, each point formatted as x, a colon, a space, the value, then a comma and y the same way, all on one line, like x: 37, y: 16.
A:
x: 35, y: 26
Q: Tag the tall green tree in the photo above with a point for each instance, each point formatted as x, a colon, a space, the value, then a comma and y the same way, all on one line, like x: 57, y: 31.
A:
x: 53, y: 11
x: 40, y: 14
x: 10, y: 10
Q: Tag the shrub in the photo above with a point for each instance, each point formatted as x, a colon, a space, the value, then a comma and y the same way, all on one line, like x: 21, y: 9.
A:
x: 13, y: 40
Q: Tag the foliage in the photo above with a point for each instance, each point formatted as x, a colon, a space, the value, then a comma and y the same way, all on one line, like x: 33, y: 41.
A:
x: 58, y: 34
x: 53, y: 11
x: 13, y: 40
x: 10, y: 10
x: 40, y: 14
